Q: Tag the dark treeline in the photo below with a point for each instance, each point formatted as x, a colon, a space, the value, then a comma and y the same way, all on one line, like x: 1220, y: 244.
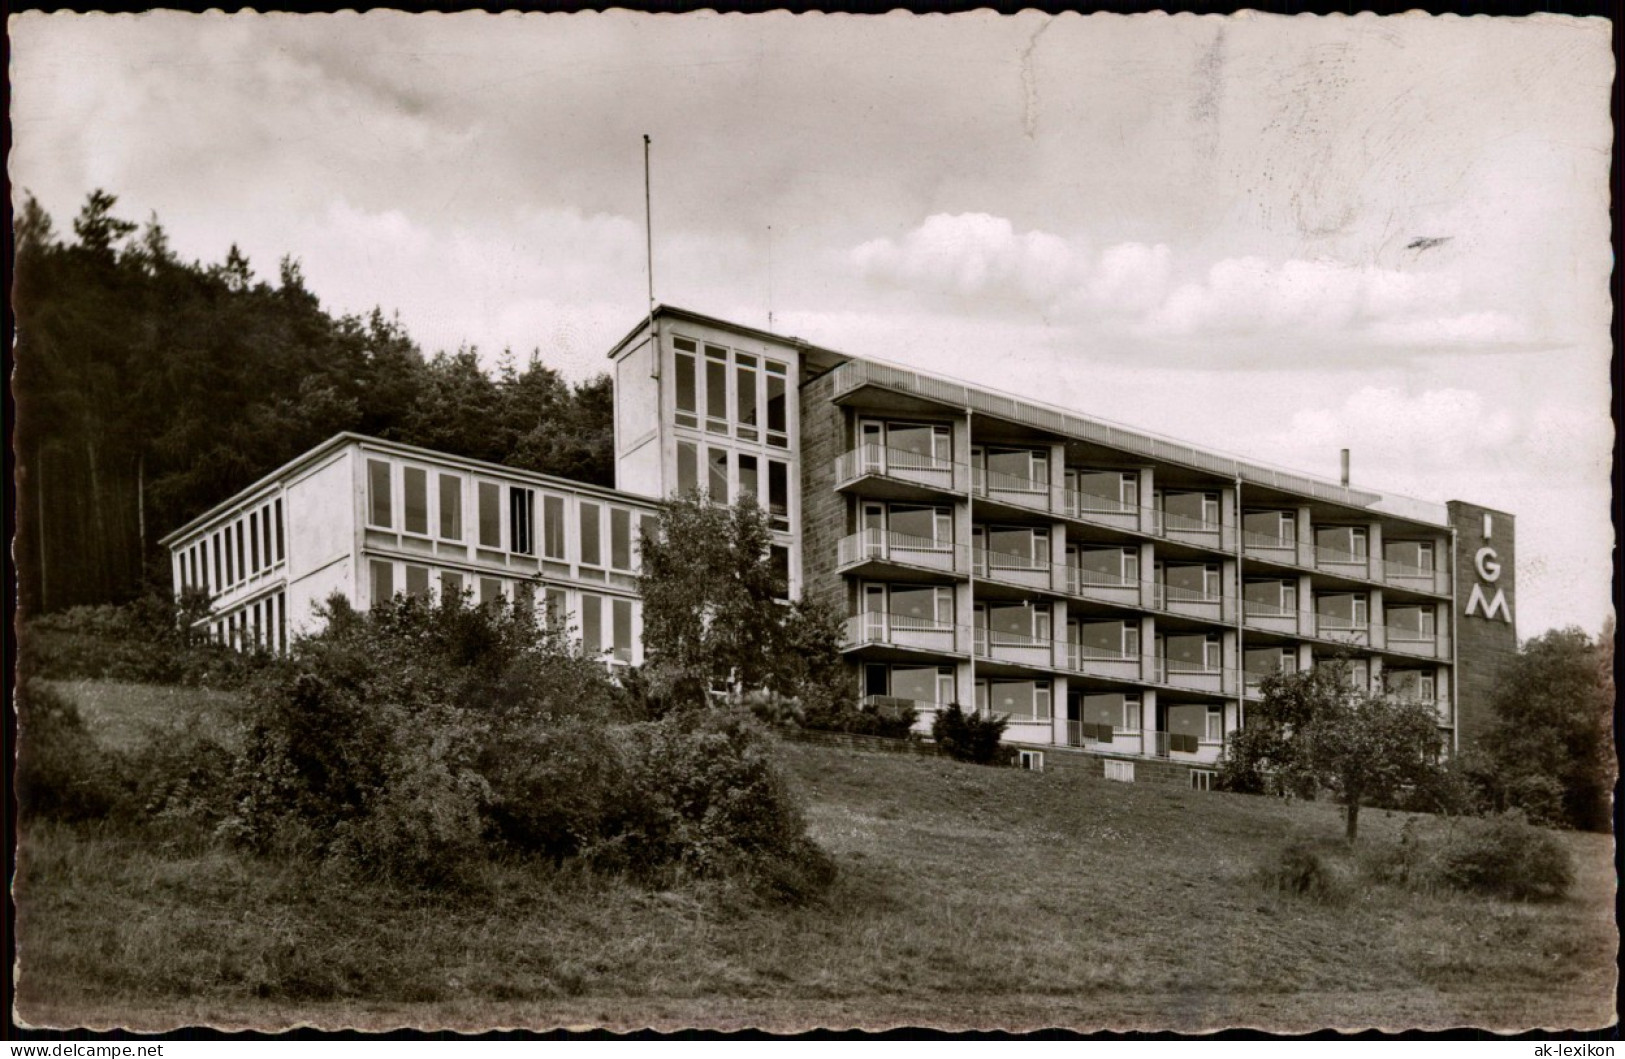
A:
x: 148, y: 389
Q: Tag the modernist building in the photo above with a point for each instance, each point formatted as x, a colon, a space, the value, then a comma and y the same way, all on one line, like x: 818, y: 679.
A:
x: 1109, y: 590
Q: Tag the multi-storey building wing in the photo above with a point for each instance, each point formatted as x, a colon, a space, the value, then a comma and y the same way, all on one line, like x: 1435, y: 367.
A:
x: 367, y: 519
x: 1109, y: 590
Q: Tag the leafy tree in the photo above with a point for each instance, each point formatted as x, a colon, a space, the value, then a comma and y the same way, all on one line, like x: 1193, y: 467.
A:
x: 715, y: 613
x: 1314, y: 731
x: 1550, y: 752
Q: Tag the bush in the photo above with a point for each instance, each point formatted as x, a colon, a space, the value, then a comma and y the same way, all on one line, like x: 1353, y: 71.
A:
x: 830, y: 711
x: 61, y: 773
x: 414, y: 740
x: 971, y: 737
x: 149, y: 641
x: 1507, y: 856
x: 1318, y: 871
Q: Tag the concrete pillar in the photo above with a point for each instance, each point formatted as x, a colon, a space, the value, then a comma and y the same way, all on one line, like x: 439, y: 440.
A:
x: 1058, y: 712
x: 1373, y: 536
x: 1148, y: 486
x: 1306, y: 538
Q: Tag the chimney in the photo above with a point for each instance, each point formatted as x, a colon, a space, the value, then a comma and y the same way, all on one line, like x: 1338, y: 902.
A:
x: 1345, y: 468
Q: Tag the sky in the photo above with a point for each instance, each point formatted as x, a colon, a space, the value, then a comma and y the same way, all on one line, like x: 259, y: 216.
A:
x: 1275, y: 236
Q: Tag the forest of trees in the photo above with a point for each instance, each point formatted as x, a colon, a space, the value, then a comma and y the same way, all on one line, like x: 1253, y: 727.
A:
x: 148, y: 389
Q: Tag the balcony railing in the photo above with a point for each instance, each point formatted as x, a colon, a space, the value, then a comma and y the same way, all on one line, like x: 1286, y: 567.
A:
x: 894, y: 707
x: 902, y: 630
x: 905, y: 550
x: 1416, y: 642
x: 1425, y: 579
x: 1166, y: 744
x: 905, y: 465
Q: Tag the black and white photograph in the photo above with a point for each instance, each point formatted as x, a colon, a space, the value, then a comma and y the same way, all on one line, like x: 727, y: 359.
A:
x: 665, y: 522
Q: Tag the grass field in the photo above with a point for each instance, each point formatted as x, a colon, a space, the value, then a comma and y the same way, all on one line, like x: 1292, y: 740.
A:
x: 968, y: 897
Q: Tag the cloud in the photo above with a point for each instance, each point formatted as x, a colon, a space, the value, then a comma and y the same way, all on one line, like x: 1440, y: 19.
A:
x: 973, y: 255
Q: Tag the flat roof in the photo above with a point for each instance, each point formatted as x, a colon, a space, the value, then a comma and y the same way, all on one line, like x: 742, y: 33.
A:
x: 1028, y: 412
x: 344, y: 438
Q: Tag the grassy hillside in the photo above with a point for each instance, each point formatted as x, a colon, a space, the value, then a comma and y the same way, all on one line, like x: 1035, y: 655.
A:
x: 968, y: 897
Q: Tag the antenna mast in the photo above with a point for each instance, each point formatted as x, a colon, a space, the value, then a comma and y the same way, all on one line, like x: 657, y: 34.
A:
x: 648, y: 235
x: 770, y: 277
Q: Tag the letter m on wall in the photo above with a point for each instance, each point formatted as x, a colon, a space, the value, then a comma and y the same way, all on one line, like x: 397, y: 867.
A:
x: 1496, y: 603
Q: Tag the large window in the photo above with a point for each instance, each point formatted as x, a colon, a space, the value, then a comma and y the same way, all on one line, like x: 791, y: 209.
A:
x: 778, y: 415
x: 620, y: 538
x: 927, y: 685
x: 383, y: 581
x: 688, y: 401
x: 688, y: 467
x: 451, y: 507
x: 1410, y: 623
x: 779, y: 563
x: 778, y: 494
x: 716, y: 462
x: 592, y: 623
x: 592, y: 545
x: 521, y: 520
x: 1015, y: 548
x: 925, y: 524
x: 379, y: 504
x: 415, y: 488
x: 1191, y: 511
x: 745, y: 396
x: 1196, y: 653
x: 417, y: 582
x: 1190, y: 582
x: 1413, y: 557
x: 1341, y: 544
x: 716, y: 389
x: 1106, y: 639
x: 621, y: 615
x: 1271, y: 598
x: 1023, y: 701
x: 1016, y: 624
x: 490, y: 496
x: 1020, y: 469
x: 1270, y: 529
x: 1104, y: 491
x: 553, y: 543
x: 749, y: 477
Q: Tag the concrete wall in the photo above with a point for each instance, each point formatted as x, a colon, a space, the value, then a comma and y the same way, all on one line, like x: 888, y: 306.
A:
x: 638, y: 464
x: 1484, y: 642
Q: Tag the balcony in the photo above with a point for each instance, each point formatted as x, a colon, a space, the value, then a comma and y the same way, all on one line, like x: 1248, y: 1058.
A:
x: 1098, y: 585
x: 1192, y: 530
x: 1268, y: 617
x: 1103, y: 737
x: 1028, y: 493
x: 875, y: 551
x: 1175, y: 746
x: 1015, y: 648
x: 910, y: 474
x: 1343, y: 630
x: 1195, y: 602
x: 1416, y: 578
x: 893, y: 707
x: 1194, y: 676
x: 1100, y: 662
x: 900, y: 630
x: 1414, y: 642
x: 1012, y: 568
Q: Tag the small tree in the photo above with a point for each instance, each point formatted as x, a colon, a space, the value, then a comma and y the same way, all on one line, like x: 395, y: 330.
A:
x: 1315, y: 731
x: 715, y: 614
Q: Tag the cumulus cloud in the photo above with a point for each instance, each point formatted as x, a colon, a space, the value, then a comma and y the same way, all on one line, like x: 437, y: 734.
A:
x: 1145, y: 292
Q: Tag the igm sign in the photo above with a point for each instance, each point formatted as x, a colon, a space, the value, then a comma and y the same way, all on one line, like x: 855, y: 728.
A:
x: 1488, y: 566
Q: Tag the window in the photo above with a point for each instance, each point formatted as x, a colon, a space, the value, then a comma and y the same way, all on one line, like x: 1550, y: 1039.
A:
x: 521, y: 520
x: 1121, y: 771
x: 490, y: 496
x: 490, y: 590
x: 688, y: 467
x: 451, y: 507
x: 415, y: 490
x: 219, y: 581
x: 254, y: 543
x: 1023, y: 701
x: 417, y: 582
x: 717, y: 475
x: 1203, y: 779
x: 688, y: 405
x: 383, y: 581
x: 378, y: 500
x: 1032, y: 760
x: 242, y: 567
x: 265, y: 534
x: 592, y: 623
x: 592, y: 545
x: 779, y: 563
x: 745, y: 396
x: 716, y: 389
x: 917, y: 606
x: 451, y: 586
x: 1215, y: 725
x: 778, y: 495
x: 1017, y: 469
x: 558, y: 607
x: 648, y: 530
x: 524, y: 600
x: 553, y: 527
x: 749, y: 484
x: 926, y: 525
x: 778, y: 414
x: 620, y: 538
x: 621, y: 620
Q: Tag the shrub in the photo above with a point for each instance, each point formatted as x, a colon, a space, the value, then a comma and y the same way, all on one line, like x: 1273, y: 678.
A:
x: 1318, y: 871
x: 61, y: 773
x: 829, y: 711
x: 148, y: 641
x: 1507, y: 856
x: 704, y: 794
x: 970, y: 737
